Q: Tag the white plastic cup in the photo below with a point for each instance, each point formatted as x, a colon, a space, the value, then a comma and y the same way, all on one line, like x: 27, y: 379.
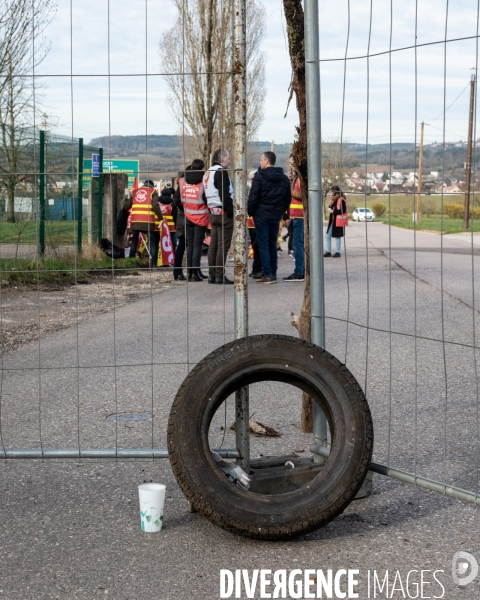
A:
x: 152, y: 500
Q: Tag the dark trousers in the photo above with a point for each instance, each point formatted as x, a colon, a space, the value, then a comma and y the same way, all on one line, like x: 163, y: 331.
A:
x: 195, y: 237
x: 179, y: 252
x: 220, y: 240
x: 153, y: 242
x: 290, y: 235
x: 266, y: 231
x: 257, y: 263
x: 299, y: 246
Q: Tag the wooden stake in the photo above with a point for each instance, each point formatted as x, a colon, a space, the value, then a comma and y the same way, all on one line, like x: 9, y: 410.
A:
x: 468, y: 179
x: 420, y: 167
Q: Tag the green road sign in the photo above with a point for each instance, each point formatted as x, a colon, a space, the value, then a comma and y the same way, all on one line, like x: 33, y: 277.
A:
x: 130, y: 167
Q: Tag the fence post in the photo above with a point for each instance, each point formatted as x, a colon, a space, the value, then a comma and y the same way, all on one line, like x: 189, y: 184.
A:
x: 41, y: 227
x: 100, y: 196
x: 80, y: 195
x: 240, y: 221
x: 315, y: 199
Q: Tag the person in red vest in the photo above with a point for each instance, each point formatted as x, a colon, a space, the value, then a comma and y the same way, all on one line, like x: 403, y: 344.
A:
x: 145, y: 215
x: 257, y: 263
x: 296, y: 215
x: 196, y: 213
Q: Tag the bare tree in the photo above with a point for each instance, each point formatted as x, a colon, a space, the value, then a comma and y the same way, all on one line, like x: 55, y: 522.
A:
x: 336, y: 158
x: 293, y: 10
x: 198, y: 52
x: 22, y: 48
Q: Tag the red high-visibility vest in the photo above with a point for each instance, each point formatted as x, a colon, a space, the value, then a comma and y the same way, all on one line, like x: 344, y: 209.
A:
x: 296, y: 206
x: 167, y: 215
x: 194, y: 206
x: 142, y: 210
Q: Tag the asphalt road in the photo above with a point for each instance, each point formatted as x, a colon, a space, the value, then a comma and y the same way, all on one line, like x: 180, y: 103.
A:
x: 70, y: 529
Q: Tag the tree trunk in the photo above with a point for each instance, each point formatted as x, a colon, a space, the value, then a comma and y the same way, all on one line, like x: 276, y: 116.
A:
x: 295, y: 30
x: 11, y: 204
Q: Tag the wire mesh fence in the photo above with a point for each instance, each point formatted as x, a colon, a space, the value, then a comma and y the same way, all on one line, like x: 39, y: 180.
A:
x: 94, y: 349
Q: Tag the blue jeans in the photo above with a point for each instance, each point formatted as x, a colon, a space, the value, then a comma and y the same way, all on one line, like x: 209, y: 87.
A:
x: 328, y: 242
x: 299, y: 246
x: 266, y: 231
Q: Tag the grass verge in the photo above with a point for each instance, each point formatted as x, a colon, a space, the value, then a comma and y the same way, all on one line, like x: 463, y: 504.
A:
x: 65, y: 270
x: 433, y: 223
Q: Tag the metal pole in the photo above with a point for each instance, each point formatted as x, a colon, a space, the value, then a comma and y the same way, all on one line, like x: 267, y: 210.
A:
x: 39, y: 453
x: 468, y: 178
x: 80, y: 194
x: 423, y: 482
x: 315, y: 198
x: 240, y: 219
x: 41, y: 228
x: 100, y: 196
x: 420, y: 167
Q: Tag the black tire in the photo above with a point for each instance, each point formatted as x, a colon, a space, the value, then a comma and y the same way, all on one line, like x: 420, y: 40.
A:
x: 270, y: 358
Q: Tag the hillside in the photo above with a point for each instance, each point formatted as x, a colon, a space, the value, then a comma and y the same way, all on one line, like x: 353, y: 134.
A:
x: 164, y: 154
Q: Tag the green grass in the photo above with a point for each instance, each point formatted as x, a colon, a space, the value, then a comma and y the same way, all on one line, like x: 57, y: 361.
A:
x: 61, y: 270
x: 25, y: 232
x: 433, y: 223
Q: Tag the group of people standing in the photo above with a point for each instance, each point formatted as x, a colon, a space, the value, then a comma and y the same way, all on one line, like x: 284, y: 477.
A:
x: 204, y: 200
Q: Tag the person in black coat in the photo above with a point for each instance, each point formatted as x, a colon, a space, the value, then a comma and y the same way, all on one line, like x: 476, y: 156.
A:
x: 167, y: 197
x: 180, y: 231
x: 337, y: 207
x: 268, y: 199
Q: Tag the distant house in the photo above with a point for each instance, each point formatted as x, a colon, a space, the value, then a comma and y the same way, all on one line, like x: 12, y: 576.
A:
x: 452, y: 189
x: 447, y: 189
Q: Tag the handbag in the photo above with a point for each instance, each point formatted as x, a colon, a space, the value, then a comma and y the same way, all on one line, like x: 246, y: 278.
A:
x: 341, y: 220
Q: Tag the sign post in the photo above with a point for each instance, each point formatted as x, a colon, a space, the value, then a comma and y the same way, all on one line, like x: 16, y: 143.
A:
x: 114, y: 165
x: 95, y: 165
x: 100, y: 194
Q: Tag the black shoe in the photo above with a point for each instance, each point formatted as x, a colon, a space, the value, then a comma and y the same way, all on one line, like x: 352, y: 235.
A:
x: 212, y: 280
x: 336, y: 255
x: 253, y: 274
x: 294, y: 277
x: 201, y: 275
x: 223, y: 280
x: 179, y: 277
x: 327, y: 254
x: 257, y: 275
x: 194, y: 277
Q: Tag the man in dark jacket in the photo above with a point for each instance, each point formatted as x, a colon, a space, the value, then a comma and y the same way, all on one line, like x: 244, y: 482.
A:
x: 269, y: 198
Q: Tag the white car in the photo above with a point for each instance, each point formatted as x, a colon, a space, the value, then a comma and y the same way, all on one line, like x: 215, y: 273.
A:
x: 363, y: 214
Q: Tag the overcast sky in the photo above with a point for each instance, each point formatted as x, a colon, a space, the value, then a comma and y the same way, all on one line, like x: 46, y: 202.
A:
x: 91, y: 104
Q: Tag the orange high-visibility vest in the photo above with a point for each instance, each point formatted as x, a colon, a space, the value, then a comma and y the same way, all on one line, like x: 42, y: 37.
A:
x: 142, y: 210
x: 296, y: 206
x: 194, y: 207
x: 167, y: 215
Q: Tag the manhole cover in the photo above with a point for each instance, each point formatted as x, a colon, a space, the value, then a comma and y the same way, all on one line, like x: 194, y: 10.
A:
x: 130, y: 416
